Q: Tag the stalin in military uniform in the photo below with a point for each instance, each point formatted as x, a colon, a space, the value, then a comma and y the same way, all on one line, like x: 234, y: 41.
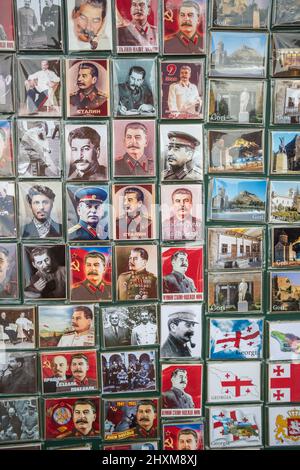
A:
x: 177, y: 281
x: 176, y: 397
x: 134, y: 224
x: 180, y: 153
x: 88, y: 98
x: 84, y: 416
x: 187, y: 40
x: 181, y: 326
x: 135, y: 162
x: 90, y: 211
x: 138, y: 32
x: 137, y: 283
x: 93, y: 287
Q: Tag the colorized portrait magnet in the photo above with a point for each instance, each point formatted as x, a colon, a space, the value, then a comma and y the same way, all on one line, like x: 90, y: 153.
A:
x: 69, y: 372
x: 181, y: 388
x: 184, y: 26
x: 87, y: 86
x: 88, y: 213
x: 136, y: 271
x: 89, y: 25
x: 182, y: 89
x: 183, y: 435
x: 72, y: 417
x: 7, y: 27
x: 134, y: 148
x: 134, y: 211
x: 137, y: 26
x: 182, y: 273
x: 66, y: 326
x: 181, y: 212
x: 90, y: 273
x: 131, y: 419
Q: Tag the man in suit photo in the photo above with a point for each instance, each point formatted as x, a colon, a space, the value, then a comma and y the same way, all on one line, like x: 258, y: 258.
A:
x: 115, y: 334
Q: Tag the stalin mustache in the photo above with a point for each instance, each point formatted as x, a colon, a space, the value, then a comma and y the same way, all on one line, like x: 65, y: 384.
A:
x: 92, y: 273
x: 81, y: 421
x: 81, y: 160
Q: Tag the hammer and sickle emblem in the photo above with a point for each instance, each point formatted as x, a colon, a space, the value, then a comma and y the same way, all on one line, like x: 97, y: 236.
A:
x: 169, y: 15
x: 47, y: 364
x: 75, y: 265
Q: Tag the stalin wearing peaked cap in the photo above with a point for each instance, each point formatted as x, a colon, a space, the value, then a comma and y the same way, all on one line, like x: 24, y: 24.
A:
x: 181, y: 149
x: 181, y: 326
x: 89, y: 209
x: 187, y: 40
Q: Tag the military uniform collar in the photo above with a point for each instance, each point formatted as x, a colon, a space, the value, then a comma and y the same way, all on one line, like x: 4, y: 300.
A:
x: 143, y: 271
x: 186, y: 41
x: 138, y: 215
x: 177, y: 391
x: 88, y: 228
x: 92, y: 95
x: 181, y: 172
x: 92, y: 288
x: 78, y: 382
x: 143, y: 30
x: 178, y: 275
x: 132, y: 163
